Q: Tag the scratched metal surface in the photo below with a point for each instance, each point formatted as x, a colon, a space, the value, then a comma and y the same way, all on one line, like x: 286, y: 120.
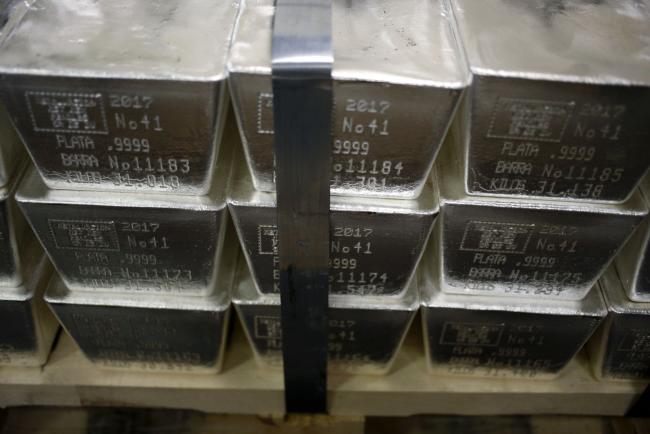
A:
x: 131, y: 243
x: 534, y: 248
x: 364, y: 332
x: 119, y: 95
x: 398, y: 76
x: 621, y: 351
x: 557, y: 106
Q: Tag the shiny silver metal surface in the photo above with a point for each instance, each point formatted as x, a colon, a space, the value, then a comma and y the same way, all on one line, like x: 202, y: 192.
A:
x: 534, y: 248
x: 621, y: 349
x: 503, y: 336
x: 122, y: 95
x: 375, y: 244
x: 398, y: 76
x: 12, y: 151
x: 365, y: 333
x: 140, y: 332
x: 131, y: 243
x: 15, y: 234
x: 558, y: 103
x: 27, y: 327
x: 633, y: 263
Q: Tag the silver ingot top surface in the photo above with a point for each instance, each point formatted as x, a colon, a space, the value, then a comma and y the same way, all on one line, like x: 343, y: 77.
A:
x: 616, y: 298
x: 245, y: 293
x: 585, y: 41
x: 128, y: 96
x: 152, y: 39
x: 410, y: 42
x: 432, y: 296
x: 398, y: 75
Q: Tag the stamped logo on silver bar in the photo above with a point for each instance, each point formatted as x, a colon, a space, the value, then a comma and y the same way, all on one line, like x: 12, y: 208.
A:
x: 84, y: 234
x: 267, y: 240
x: 514, y: 118
x: 268, y: 327
x: 496, y: 237
x: 474, y: 334
x: 66, y: 112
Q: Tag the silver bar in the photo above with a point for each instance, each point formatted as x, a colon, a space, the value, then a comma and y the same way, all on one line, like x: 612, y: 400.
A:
x: 398, y: 76
x: 557, y: 104
x: 621, y: 349
x: 633, y: 263
x: 534, y: 248
x: 481, y: 335
x: 27, y: 327
x: 138, y: 332
x: 127, y: 96
x: 375, y: 244
x: 15, y: 235
x: 148, y: 243
x: 12, y: 151
x: 365, y: 333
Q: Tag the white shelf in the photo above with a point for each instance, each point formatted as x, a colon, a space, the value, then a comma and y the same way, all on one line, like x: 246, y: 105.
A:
x: 70, y: 380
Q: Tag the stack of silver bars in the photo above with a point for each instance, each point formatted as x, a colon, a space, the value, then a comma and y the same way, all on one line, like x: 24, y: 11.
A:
x: 485, y: 163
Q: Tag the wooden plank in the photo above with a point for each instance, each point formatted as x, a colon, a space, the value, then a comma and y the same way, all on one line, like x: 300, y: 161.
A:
x: 244, y: 388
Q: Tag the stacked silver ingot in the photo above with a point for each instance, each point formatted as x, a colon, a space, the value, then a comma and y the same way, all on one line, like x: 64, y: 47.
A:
x: 397, y: 79
x: 537, y: 180
x: 621, y: 348
x: 502, y: 336
x: 27, y: 328
x: 123, y: 114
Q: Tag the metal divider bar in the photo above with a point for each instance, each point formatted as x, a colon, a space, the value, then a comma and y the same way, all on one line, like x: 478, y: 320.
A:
x: 302, y: 101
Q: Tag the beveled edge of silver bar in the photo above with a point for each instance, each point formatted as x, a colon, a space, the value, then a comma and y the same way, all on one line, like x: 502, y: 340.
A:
x: 10, y: 188
x: 432, y: 296
x: 220, y: 27
x: 242, y: 192
x: 452, y: 167
x: 250, y: 52
x: 34, y: 190
x: 495, y: 23
x: 218, y: 300
x: 245, y: 292
x: 35, y: 264
x: 12, y: 149
x: 616, y: 298
x: 630, y: 259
